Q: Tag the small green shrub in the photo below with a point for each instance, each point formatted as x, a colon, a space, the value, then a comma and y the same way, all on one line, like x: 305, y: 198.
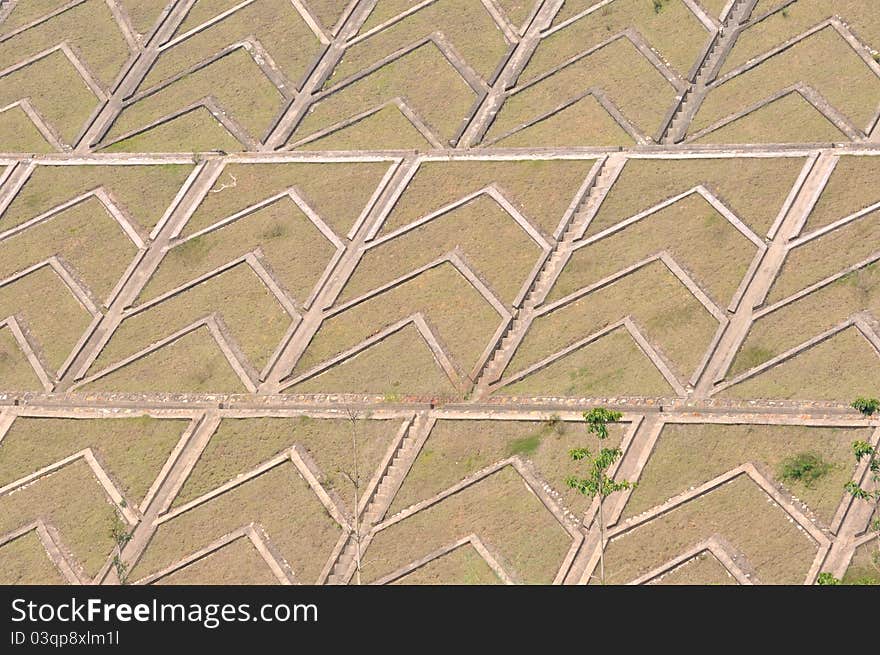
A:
x: 805, y: 468
x: 598, y: 418
x: 121, y: 536
x: 866, y: 406
x: 828, y: 579
x: 274, y: 231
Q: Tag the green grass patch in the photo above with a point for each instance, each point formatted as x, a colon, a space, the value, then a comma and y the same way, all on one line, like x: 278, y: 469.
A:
x: 866, y: 581
x: 525, y: 445
x: 753, y: 356
x: 805, y: 468
x: 529, y: 444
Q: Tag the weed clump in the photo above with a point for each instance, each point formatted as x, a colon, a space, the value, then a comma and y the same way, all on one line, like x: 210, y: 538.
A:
x: 805, y: 468
x: 867, y: 406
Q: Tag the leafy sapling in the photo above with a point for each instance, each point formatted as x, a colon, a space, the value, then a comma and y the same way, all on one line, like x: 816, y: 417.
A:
x: 870, y: 493
x: 867, y: 406
x: 598, y: 484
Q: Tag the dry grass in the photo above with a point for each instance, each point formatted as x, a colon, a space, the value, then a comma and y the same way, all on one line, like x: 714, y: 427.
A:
x: 862, y: 569
x: 27, y: 12
x: 402, y: 364
x: 666, y: 312
x: 73, y: 235
x: 704, y: 569
x: 279, y: 501
x: 42, y: 83
x: 790, y: 119
x: 328, y: 11
x: 541, y: 190
x: 276, y: 24
x: 715, y: 7
x: 73, y: 502
x: 824, y: 60
x: 500, y: 251
x: 142, y: 192
x: 518, y: 11
x: 583, y: 123
x: 764, y: 6
x: 571, y: 8
x: 859, y: 15
x: 143, y: 13
x: 820, y: 258
x: 19, y: 134
x: 687, y: 455
x: 133, y: 450
x: 850, y: 188
x: 618, y: 69
x: 238, y: 84
x: 384, y: 11
x: 237, y: 563
x: 688, y: 230
x: 838, y: 369
x: 675, y: 32
x: 510, y: 520
x: 457, y: 449
x: 89, y: 28
x: 196, y: 130
x: 203, y: 11
x: 466, y: 24
x: 240, y: 445
x: 740, y: 513
x: 373, y: 132
x: 754, y: 188
x: 614, y: 365
x: 406, y: 78
x: 459, y: 315
x: 292, y: 246
x: 464, y: 565
x: 53, y: 316
x: 24, y: 561
x: 16, y: 373
x: 317, y: 183
x: 193, y: 363
x: 250, y: 311
x: 793, y: 324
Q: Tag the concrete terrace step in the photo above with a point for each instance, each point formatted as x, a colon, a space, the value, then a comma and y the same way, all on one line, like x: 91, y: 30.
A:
x: 544, y: 280
x: 693, y: 96
x: 381, y: 498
